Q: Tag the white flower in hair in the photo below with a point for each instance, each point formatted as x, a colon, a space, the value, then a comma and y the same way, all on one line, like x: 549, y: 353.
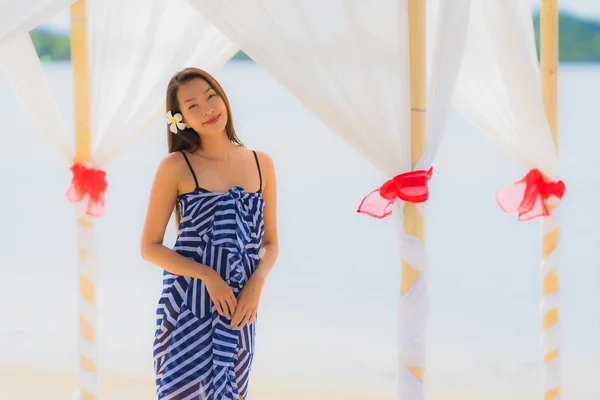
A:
x: 174, y: 122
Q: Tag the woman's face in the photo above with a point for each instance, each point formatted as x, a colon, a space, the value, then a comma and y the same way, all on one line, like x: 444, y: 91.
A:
x: 202, y: 108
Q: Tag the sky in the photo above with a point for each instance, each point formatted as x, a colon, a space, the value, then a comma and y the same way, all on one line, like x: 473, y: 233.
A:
x: 586, y: 8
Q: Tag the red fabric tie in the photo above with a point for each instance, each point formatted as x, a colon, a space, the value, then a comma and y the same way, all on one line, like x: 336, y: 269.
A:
x: 528, y: 196
x: 410, y: 187
x: 91, y: 182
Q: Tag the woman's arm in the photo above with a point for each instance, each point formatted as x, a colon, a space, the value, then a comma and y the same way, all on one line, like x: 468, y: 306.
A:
x: 163, y: 198
x: 249, y: 297
x: 270, y: 244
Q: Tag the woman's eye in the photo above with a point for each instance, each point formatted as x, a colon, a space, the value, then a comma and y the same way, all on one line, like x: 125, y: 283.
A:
x: 192, y: 106
x: 211, y: 96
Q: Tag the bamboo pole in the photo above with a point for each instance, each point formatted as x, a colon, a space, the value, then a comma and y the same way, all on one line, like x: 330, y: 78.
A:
x: 88, y: 375
x: 79, y: 58
x: 413, y: 220
x: 550, y: 230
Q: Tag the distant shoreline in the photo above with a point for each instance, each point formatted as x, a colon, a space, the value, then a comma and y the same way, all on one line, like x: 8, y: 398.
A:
x: 579, y: 41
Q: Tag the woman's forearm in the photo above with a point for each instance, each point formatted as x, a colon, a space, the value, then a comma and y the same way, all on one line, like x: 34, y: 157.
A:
x: 270, y: 252
x: 175, y: 263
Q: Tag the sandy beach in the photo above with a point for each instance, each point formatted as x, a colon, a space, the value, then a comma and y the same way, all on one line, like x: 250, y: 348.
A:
x: 37, y: 384
x: 24, y: 384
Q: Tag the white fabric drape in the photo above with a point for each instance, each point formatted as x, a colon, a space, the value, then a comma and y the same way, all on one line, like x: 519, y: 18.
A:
x: 21, y: 16
x: 347, y: 62
x: 448, y: 43
x: 20, y: 64
x: 499, y: 83
x: 499, y: 92
x: 131, y: 60
x: 135, y: 47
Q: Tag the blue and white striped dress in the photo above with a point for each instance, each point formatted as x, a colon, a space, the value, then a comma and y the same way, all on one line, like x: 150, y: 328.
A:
x: 197, y: 355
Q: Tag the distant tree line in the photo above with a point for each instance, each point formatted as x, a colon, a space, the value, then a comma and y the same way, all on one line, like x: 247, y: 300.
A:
x: 579, y: 41
x: 51, y: 46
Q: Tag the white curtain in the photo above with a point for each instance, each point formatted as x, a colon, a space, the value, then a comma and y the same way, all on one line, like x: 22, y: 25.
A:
x: 347, y: 62
x: 499, y: 91
x: 21, y: 16
x: 135, y: 48
x: 20, y: 64
x: 499, y: 83
x: 131, y: 61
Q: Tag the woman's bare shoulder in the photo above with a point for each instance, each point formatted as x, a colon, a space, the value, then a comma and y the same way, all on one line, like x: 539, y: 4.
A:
x: 171, y: 165
x: 266, y: 162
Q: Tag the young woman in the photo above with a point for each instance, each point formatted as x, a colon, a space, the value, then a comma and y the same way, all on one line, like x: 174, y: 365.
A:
x: 224, y: 198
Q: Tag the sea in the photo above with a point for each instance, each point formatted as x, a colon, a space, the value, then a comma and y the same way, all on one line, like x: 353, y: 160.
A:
x: 328, y: 313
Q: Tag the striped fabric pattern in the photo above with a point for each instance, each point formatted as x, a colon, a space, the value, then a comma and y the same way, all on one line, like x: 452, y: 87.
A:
x: 196, y: 353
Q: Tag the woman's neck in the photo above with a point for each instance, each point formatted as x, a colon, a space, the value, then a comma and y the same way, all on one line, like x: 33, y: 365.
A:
x: 215, y: 148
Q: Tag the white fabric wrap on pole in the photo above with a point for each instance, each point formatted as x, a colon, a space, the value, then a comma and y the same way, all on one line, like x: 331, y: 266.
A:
x: 499, y: 92
x: 18, y: 17
x: 347, y: 62
x: 87, y: 268
x: 552, y: 371
x: 450, y: 30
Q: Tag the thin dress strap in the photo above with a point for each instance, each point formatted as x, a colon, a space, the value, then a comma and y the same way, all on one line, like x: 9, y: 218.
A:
x: 259, y: 172
x: 191, y: 169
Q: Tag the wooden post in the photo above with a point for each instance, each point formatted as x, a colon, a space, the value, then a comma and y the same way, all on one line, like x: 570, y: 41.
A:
x: 549, y: 63
x: 79, y: 59
x: 413, y: 220
x: 549, y: 69
x: 88, y: 374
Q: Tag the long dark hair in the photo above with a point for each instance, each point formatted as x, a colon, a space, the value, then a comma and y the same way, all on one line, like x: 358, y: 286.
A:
x: 188, y: 139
